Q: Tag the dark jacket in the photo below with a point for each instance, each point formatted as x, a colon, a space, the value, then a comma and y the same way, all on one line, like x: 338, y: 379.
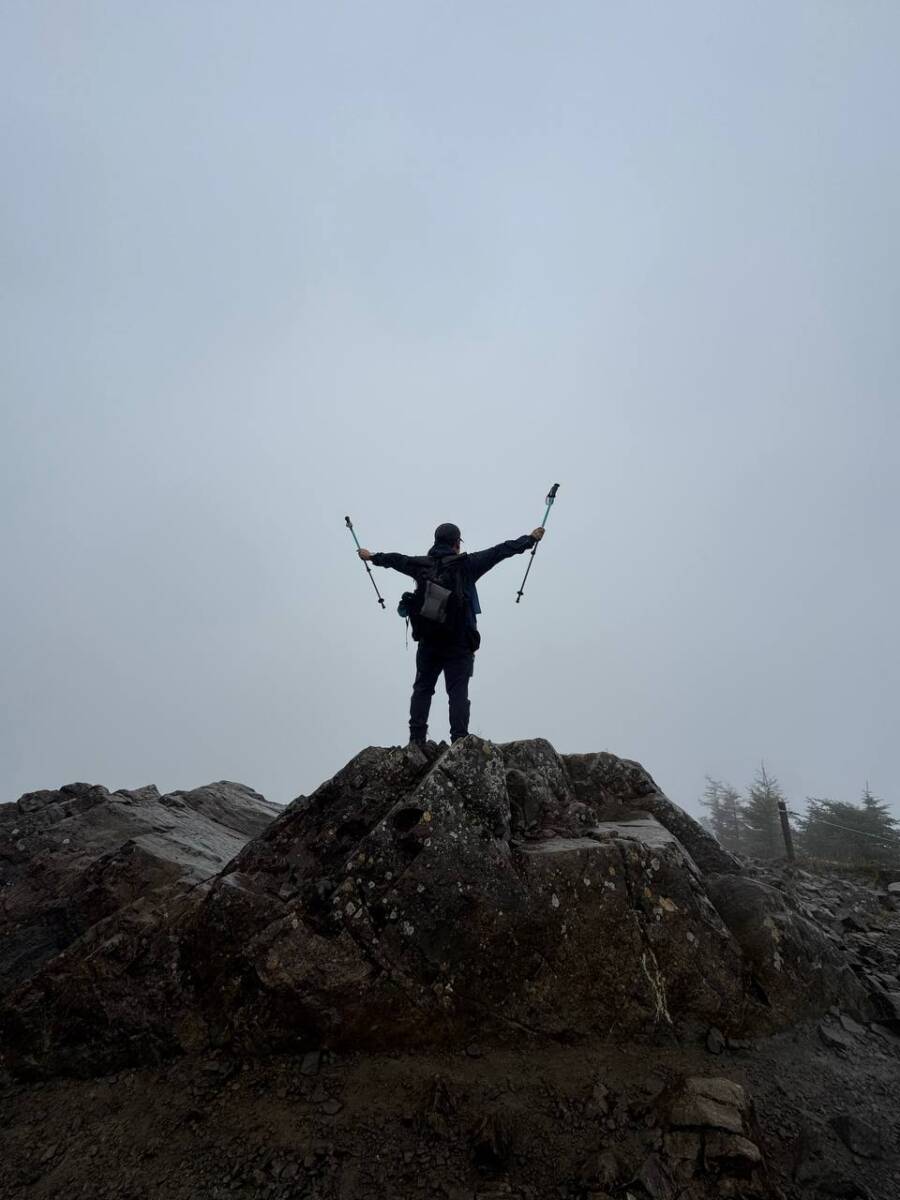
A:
x: 472, y: 567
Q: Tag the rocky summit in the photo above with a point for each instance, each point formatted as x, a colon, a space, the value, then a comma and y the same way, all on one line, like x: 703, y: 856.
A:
x: 439, y: 950
x: 416, y: 898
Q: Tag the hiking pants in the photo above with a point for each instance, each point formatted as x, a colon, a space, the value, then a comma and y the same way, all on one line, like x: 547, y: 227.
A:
x: 457, y: 666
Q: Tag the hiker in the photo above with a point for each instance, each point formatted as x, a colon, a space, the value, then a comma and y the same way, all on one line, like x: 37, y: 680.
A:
x: 447, y: 643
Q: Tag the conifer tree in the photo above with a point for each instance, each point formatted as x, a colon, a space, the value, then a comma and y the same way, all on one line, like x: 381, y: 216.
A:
x: 710, y: 801
x: 762, y: 825
x: 877, y: 814
x: 724, y: 804
x: 878, y: 822
x: 820, y: 835
x: 850, y: 833
x: 733, y: 834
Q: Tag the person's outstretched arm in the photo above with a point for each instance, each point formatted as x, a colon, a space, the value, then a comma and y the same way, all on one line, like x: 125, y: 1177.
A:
x: 483, y: 560
x: 397, y: 562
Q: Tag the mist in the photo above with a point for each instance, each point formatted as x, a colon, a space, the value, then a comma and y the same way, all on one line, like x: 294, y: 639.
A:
x: 265, y: 266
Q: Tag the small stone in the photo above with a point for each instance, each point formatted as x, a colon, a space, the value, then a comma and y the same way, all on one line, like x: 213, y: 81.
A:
x: 600, y: 1098
x: 834, y: 1037
x: 656, y: 1179
x: 715, y: 1041
x: 474, y: 1050
x: 332, y: 1107
x: 682, y: 1151
x: 729, y: 1149
x: 739, y: 1044
x: 711, y: 1103
x: 605, y: 1169
x: 852, y: 1026
x: 857, y: 1136
x: 853, y: 922
x: 311, y: 1063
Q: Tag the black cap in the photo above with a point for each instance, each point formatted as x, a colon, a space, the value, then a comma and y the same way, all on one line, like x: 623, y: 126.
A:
x: 448, y: 532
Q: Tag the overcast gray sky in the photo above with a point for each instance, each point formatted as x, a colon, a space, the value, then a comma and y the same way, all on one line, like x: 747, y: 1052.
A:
x: 265, y: 264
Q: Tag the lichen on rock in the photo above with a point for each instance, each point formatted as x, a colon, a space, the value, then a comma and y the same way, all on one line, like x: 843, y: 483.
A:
x: 416, y: 898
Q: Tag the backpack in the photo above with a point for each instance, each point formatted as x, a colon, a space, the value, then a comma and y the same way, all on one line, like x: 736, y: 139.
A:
x: 437, y: 608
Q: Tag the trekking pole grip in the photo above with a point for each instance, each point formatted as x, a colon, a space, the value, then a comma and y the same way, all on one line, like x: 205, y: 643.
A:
x: 352, y: 532
x: 551, y: 496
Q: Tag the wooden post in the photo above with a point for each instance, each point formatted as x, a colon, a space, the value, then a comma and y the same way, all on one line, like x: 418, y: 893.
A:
x: 786, y: 830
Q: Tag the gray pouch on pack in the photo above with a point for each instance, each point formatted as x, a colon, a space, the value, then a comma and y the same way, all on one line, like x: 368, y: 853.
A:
x: 434, y: 604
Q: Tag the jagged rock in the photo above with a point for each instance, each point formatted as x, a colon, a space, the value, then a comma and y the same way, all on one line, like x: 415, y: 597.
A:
x: 613, y: 785
x: 409, y: 901
x: 708, y: 1139
x: 403, y: 886
x: 795, y: 968
x: 73, y: 856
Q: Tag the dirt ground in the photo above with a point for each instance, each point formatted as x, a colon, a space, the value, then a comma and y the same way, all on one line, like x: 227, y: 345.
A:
x: 525, y: 1120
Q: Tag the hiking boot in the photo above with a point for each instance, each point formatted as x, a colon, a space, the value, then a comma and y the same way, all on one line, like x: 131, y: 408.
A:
x: 431, y: 750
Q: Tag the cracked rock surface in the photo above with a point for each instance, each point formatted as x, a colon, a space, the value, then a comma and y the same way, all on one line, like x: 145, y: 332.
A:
x: 420, y: 897
x: 73, y: 856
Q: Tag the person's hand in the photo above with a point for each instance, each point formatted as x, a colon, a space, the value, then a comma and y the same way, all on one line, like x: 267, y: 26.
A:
x: 364, y: 554
x: 538, y: 533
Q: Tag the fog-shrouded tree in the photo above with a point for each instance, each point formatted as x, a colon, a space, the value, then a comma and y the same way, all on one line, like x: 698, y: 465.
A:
x: 878, y: 819
x: 734, y: 836
x: 850, y: 833
x: 710, y: 801
x: 724, y: 805
x: 761, y: 822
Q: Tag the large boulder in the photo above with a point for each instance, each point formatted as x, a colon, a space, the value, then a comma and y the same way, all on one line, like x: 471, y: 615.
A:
x: 795, y: 966
x: 73, y: 856
x: 612, y: 785
x: 418, y: 897
x: 394, y: 906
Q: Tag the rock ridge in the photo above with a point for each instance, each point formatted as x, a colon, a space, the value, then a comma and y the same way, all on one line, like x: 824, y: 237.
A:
x: 71, y: 856
x: 425, y: 896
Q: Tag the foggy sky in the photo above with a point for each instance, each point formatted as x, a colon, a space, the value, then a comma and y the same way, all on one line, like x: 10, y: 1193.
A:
x: 265, y: 265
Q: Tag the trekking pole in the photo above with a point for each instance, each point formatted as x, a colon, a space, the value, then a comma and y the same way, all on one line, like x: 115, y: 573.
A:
x: 551, y: 496
x: 365, y: 564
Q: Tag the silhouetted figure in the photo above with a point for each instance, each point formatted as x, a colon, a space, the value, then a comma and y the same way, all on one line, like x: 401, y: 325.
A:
x: 443, y: 613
